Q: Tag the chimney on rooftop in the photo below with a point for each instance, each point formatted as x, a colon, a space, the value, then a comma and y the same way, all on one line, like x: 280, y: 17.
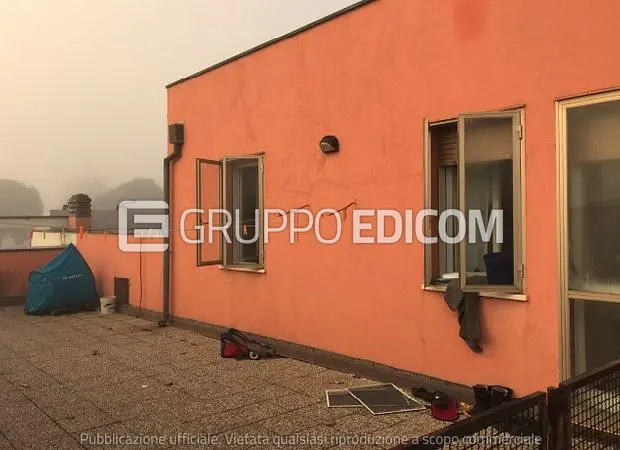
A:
x: 79, y: 209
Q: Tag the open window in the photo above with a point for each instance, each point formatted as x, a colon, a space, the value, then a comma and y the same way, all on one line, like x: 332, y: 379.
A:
x: 473, y: 165
x: 442, y: 189
x: 238, y: 189
x: 243, y: 199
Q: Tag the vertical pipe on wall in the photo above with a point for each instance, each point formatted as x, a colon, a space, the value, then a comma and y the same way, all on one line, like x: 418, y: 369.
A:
x: 176, y: 138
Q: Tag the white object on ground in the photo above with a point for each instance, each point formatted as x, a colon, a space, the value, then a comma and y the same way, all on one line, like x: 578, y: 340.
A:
x: 108, y: 305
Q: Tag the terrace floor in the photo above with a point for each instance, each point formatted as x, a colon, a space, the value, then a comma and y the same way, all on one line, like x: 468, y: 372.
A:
x: 115, y: 381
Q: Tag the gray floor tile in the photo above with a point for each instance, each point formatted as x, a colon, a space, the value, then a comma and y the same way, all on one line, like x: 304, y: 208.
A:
x: 91, y: 379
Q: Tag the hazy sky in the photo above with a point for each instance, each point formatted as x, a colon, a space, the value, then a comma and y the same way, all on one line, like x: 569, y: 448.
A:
x: 83, y: 103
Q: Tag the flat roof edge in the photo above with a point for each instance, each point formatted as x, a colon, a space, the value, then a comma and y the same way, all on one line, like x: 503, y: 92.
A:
x: 33, y: 217
x: 273, y: 41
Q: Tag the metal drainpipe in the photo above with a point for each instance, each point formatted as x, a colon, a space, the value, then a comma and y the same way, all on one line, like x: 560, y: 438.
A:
x: 176, y: 138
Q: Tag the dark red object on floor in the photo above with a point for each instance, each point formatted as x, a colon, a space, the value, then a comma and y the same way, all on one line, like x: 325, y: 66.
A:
x: 444, y: 408
x: 233, y: 350
x: 234, y: 344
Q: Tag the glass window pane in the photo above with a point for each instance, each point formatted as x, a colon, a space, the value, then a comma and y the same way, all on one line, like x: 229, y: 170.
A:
x: 593, y: 147
x: 489, y: 147
x: 245, y: 210
x: 448, y: 200
x: 596, y: 340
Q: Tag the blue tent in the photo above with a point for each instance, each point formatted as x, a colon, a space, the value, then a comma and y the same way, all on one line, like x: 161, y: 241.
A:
x: 64, y: 283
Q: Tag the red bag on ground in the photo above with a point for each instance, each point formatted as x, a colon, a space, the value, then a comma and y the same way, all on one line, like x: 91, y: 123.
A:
x: 236, y: 345
x: 233, y: 350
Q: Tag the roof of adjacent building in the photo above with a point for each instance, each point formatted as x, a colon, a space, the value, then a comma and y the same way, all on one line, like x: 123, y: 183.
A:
x: 52, y: 229
x: 59, y: 212
x: 52, y: 218
x: 108, y: 220
x: 274, y: 41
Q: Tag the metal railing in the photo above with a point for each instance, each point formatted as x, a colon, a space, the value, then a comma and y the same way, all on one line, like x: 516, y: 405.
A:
x: 584, y: 412
x: 518, y: 424
x: 581, y: 413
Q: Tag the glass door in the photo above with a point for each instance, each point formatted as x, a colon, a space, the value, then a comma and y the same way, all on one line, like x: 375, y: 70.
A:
x: 590, y: 250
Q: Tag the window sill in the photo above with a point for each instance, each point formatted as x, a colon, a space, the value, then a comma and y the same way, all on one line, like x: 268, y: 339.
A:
x: 497, y: 295
x: 249, y: 269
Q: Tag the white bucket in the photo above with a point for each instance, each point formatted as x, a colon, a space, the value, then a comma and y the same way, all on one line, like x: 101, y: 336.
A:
x: 108, y: 305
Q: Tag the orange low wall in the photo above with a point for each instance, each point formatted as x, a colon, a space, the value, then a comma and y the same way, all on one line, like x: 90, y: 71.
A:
x: 16, y: 265
x: 107, y: 261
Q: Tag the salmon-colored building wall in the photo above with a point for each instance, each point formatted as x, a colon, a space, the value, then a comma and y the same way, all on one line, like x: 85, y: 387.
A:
x: 15, y: 268
x: 371, y: 77
x: 107, y: 261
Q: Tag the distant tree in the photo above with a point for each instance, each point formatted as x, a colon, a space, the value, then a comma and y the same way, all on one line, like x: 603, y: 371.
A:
x: 136, y: 189
x: 17, y: 199
x: 92, y: 187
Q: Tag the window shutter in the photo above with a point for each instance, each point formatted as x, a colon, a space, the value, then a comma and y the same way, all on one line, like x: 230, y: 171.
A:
x: 447, y: 141
x: 488, y: 139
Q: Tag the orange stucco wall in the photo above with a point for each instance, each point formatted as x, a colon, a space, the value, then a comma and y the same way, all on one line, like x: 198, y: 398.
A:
x: 371, y: 77
x: 107, y: 261
x: 15, y: 268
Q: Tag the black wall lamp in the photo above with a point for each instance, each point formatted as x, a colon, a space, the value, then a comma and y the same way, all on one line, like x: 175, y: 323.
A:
x: 329, y: 144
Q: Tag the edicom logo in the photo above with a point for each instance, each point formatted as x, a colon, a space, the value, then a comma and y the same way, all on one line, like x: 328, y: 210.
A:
x: 220, y: 222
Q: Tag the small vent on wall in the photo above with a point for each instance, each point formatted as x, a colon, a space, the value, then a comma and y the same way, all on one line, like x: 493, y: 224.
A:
x: 329, y: 144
